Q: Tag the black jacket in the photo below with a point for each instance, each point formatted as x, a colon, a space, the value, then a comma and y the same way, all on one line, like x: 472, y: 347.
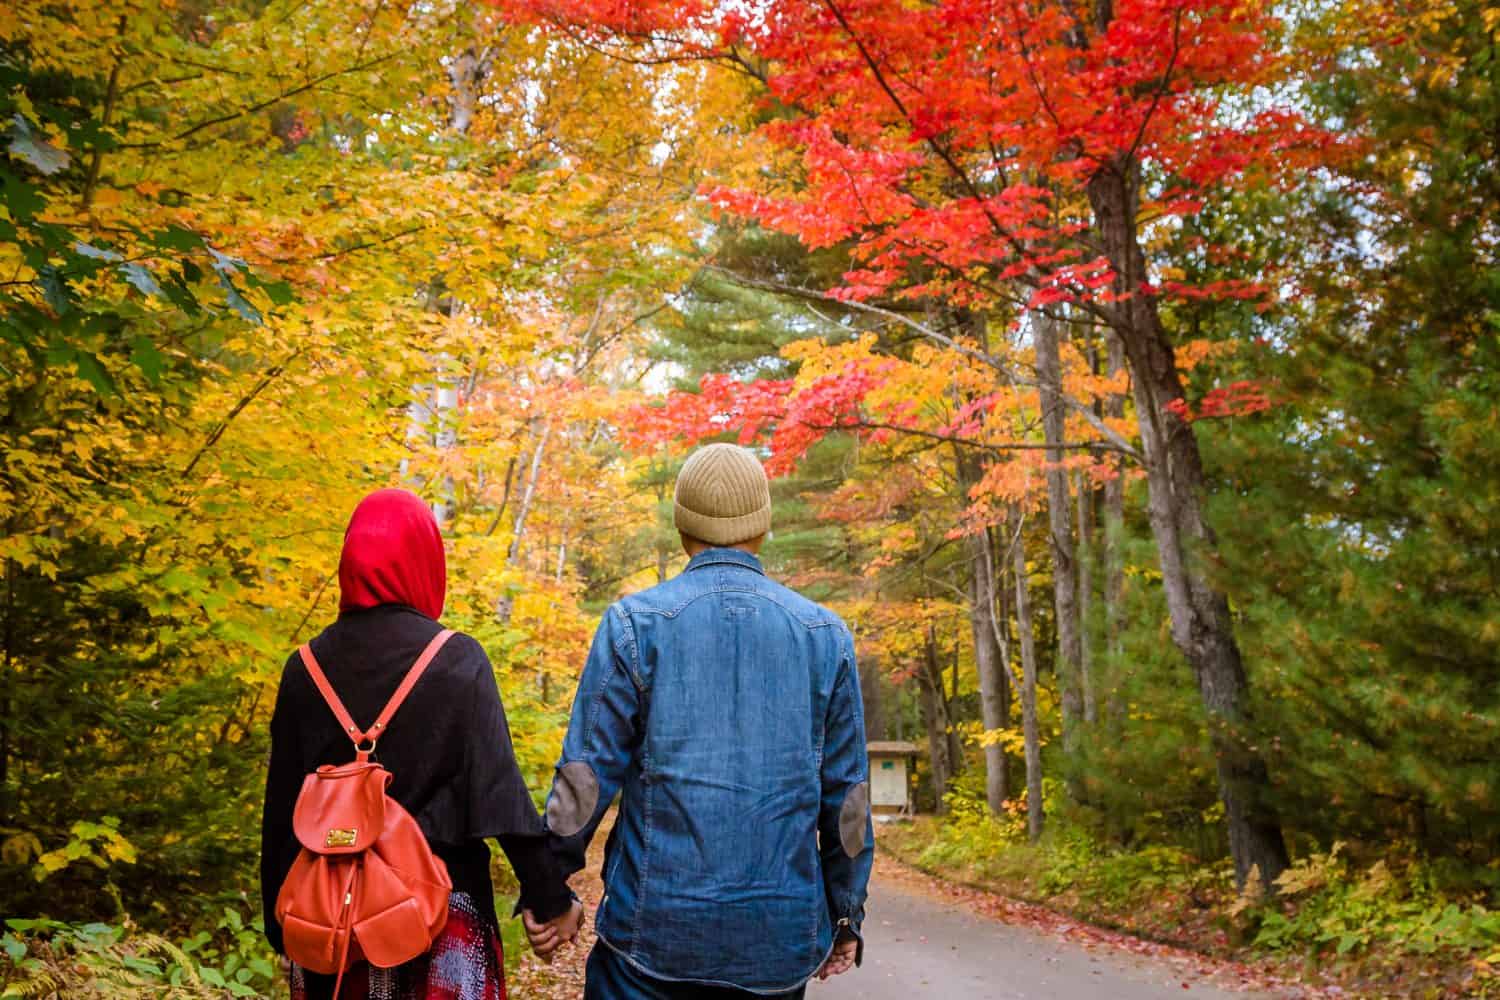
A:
x: 448, y: 748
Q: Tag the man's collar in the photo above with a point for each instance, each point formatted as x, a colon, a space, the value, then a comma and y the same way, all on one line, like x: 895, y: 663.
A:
x: 738, y: 557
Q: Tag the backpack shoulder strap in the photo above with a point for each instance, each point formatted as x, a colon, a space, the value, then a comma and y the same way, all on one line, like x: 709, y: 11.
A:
x: 407, y: 683
x: 326, y: 690
x: 320, y: 680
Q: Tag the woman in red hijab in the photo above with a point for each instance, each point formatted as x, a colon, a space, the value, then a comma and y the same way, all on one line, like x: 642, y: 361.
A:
x: 448, y: 748
x: 393, y: 554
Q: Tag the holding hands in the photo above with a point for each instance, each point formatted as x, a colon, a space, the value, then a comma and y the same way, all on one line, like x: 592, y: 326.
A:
x: 547, y: 937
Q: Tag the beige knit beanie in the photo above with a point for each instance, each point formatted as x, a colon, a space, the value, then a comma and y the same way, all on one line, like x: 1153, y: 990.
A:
x: 722, y: 496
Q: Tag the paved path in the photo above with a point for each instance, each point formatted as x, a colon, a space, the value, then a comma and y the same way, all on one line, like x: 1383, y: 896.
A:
x: 920, y: 946
x: 925, y: 938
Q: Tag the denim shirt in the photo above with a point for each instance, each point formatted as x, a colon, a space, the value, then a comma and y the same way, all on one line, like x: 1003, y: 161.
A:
x: 725, y: 709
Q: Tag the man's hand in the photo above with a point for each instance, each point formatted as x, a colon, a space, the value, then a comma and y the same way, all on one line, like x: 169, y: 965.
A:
x: 842, y: 958
x: 547, y: 937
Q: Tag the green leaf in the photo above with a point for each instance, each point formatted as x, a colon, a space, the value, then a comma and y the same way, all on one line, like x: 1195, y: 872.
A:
x: 21, y: 926
x: 225, y: 264
x: 91, y: 371
x: 55, y: 289
x: 180, y: 295
x: 34, y: 149
x: 141, y: 278
x: 22, y: 200
x: 145, y: 356
x: 279, y: 292
x: 14, y: 947
x: 177, y: 238
x: 97, y: 253
x: 238, y: 302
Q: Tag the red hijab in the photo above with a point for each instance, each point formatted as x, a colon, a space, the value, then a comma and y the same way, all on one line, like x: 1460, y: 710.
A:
x: 393, y: 554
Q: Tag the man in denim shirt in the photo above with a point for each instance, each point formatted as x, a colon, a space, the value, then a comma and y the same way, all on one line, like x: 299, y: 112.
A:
x: 726, y: 710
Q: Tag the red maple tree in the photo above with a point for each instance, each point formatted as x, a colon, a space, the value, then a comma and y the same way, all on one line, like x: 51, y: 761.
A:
x: 1008, y: 155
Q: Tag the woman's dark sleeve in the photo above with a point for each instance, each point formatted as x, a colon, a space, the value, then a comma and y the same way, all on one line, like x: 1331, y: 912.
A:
x: 278, y: 845
x: 499, y: 804
x: 544, y: 889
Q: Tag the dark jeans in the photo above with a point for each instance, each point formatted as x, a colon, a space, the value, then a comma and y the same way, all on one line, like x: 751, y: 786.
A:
x: 610, y: 977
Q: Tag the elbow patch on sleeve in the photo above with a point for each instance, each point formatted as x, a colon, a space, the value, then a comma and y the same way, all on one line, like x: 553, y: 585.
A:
x: 854, y: 815
x: 575, y: 793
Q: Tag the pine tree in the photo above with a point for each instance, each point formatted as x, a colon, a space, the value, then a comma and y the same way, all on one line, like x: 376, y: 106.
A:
x: 1362, y: 515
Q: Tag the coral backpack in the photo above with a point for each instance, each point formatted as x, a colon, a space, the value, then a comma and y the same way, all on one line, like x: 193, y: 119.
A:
x: 365, y: 885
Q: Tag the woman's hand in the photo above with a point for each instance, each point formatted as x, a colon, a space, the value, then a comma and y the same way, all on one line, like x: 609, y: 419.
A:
x: 547, y: 937
x: 841, y: 959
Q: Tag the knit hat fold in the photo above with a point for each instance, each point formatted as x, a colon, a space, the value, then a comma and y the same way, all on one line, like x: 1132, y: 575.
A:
x: 722, y: 496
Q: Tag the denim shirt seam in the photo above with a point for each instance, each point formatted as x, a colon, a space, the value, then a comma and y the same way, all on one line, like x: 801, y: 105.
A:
x: 645, y: 877
x: 719, y: 588
x: 633, y: 648
x: 590, y: 730
x: 589, y: 743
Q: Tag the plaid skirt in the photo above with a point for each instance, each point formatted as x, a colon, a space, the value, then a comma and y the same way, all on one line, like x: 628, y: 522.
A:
x: 466, y: 963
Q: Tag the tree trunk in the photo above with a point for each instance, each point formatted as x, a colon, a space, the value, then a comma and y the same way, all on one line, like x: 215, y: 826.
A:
x: 872, y: 694
x: 955, y: 743
x: 989, y: 662
x: 9, y: 679
x: 935, y: 721
x: 664, y: 546
x: 518, y: 532
x: 1114, y: 558
x: 1087, y: 680
x: 466, y: 71
x: 1201, y: 624
x: 1064, y: 553
x: 1034, y: 806
x: 989, y: 656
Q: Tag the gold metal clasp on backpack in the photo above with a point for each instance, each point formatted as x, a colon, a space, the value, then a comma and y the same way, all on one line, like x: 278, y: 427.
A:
x: 341, y: 838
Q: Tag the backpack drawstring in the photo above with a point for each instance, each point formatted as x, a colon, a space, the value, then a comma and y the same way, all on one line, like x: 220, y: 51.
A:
x: 346, y: 914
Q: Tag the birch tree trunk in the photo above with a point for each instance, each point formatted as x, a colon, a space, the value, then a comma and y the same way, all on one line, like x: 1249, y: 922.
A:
x: 523, y: 508
x: 466, y: 71
x: 1035, y: 817
x: 989, y: 661
x: 1201, y: 624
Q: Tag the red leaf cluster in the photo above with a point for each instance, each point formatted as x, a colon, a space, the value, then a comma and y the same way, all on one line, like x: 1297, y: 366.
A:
x: 952, y: 142
x: 771, y: 412
x: 1236, y: 400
